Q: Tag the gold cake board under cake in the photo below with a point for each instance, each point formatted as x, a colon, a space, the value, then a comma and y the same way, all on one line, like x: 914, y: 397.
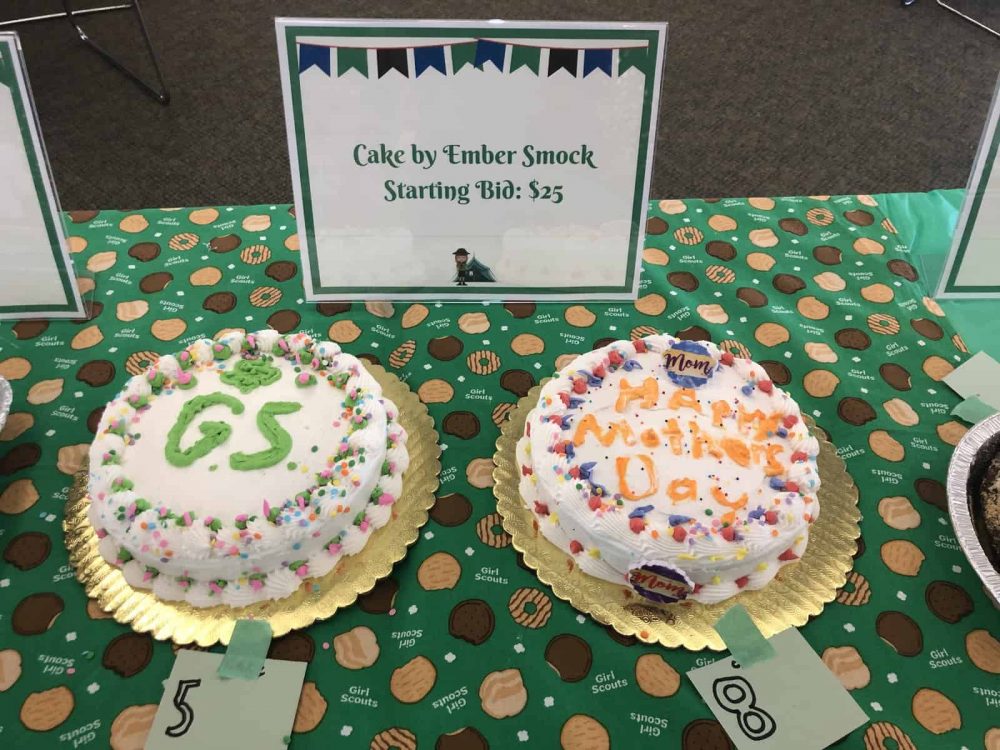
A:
x: 798, y: 592
x: 317, y: 599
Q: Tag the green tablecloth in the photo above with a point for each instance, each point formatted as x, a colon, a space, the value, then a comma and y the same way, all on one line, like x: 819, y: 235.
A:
x: 840, y: 320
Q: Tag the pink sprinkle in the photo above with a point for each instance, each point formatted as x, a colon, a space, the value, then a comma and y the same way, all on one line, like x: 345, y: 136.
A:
x: 208, y: 520
x: 183, y: 377
x: 282, y: 344
x: 70, y: 670
x: 256, y: 584
x: 302, y: 501
x: 184, y: 584
x: 163, y: 511
x: 267, y: 509
x: 303, y: 571
x: 315, y: 363
x: 187, y: 519
x: 386, y: 499
x: 101, y: 533
x: 131, y: 510
x: 218, y: 347
x: 234, y: 550
x: 163, y: 542
x: 363, y: 525
x: 241, y: 517
x: 303, y: 377
x: 392, y: 612
x: 333, y: 549
x: 214, y: 587
x: 326, y: 646
x: 146, y: 576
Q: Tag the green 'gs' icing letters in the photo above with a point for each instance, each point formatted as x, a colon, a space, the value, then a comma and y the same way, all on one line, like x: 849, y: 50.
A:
x: 251, y: 373
x: 280, y: 442
x: 215, y: 433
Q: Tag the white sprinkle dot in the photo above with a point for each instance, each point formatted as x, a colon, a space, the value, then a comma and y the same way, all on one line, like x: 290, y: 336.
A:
x: 876, y: 706
x: 429, y: 535
x: 581, y: 619
x: 549, y: 701
x: 901, y: 596
x: 891, y: 677
x: 469, y: 551
x: 522, y: 736
x: 848, y: 627
x: 449, y: 657
x: 519, y: 648
x: 71, y: 636
x: 413, y: 609
x: 93, y: 688
x: 345, y: 731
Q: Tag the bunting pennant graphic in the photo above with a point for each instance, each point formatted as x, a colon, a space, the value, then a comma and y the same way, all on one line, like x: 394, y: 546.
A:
x: 392, y: 59
x: 525, y: 57
x: 487, y: 51
x: 349, y: 58
x: 596, y: 59
x: 425, y: 58
x: 477, y: 53
x: 632, y: 57
x: 462, y: 55
x: 310, y: 55
x: 562, y: 59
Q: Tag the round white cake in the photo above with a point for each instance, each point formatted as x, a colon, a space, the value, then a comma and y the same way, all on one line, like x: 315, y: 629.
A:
x: 233, y: 470
x: 672, y: 467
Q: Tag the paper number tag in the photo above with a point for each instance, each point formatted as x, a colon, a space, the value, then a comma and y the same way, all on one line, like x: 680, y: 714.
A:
x: 200, y: 709
x: 789, y: 700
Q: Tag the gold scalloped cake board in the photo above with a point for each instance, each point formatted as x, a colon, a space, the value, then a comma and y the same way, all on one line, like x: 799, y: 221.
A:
x: 317, y: 598
x: 798, y: 592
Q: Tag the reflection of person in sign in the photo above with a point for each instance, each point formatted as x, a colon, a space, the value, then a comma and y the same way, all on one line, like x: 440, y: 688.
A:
x: 462, y: 265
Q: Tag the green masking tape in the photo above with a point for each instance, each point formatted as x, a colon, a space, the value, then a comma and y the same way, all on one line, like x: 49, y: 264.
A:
x: 973, y: 410
x: 742, y: 638
x: 244, y: 658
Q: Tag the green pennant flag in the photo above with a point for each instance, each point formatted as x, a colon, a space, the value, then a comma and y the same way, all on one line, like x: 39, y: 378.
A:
x: 632, y: 57
x: 528, y: 57
x: 462, y: 55
x: 352, y: 57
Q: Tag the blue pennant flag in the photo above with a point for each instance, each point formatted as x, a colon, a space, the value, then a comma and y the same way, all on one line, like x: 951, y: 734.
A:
x: 487, y: 51
x: 596, y: 59
x: 428, y: 57
x: 310, y: 54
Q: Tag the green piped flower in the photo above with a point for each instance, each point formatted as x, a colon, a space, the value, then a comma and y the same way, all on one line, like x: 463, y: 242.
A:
x: 221, y: 351
x: 123, y: 556
x: 305, y: 379
x: 249, y: 374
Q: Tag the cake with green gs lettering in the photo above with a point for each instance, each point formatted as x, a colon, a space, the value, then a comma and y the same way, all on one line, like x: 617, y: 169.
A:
x: 231, y: 471
x: 672, y: 467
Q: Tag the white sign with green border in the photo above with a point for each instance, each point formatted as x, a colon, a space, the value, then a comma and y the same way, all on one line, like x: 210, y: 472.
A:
x: 973, y: 265
x: 470, y: 159
x: 36, y: 273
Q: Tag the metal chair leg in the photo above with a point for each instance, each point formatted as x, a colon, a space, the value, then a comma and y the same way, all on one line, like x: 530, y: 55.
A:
x: 162, y: 95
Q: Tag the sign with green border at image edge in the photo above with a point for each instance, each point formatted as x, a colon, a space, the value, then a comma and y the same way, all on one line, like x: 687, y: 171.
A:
x: 289, y: 32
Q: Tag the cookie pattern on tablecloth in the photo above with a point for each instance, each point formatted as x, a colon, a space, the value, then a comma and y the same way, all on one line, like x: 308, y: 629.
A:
x: 463, y: 647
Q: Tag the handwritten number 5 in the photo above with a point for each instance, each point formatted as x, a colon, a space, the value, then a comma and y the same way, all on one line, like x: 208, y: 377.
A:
x: 183, y: 707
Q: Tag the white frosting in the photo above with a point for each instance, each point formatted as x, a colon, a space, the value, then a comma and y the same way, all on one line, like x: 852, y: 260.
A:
x: 201, y: 532
x: 668, y: 475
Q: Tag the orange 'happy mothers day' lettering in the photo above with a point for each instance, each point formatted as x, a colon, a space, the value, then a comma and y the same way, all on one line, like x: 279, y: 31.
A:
x: 648, y: 392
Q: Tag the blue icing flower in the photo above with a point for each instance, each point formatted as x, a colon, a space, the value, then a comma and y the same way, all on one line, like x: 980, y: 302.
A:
x: 586, y: 469
x: 631, y: 365
x: 677, y: 520
x: 592, y: 379
x: 575, y: 403
x: 777, y: 483
x: 640, y: 511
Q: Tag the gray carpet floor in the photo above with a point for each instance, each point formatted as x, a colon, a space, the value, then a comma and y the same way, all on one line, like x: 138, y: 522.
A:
x: 761, y: 97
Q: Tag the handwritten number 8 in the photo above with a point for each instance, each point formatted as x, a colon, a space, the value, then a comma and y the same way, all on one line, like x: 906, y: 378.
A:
x: 735, y: 695
x: 180, y: 703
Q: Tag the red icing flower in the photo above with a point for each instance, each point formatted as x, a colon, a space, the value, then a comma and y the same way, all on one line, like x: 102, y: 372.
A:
x: 742, y: 581
x: 788, y: 555
x: 799, y: 456
x: 791, y: 487
x: 728, y: 533
x: 541, y: 508
x: 727, y: 359
x: 771, y: 517
x: 765, y: 385
x: 599, y: 371
x: 579, y: 385
x: 574, y: 471
x: 790, y: 420
x: 679, y: 534
x: 637, y: 525
x: 575, y: 547
x: 640, y: 346
x: 614, y: 357
x: 594, y: 503
x: 526, y: 471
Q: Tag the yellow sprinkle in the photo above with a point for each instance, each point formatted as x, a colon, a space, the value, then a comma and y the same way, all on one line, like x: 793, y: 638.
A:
x: 715, y: 558
x: 686, y: 556
x: 716, y: 580
x: 798, y: 539
x: 741, y: 552
x: 554, y: 517
x: 595, y: 553
x: 761, y: 566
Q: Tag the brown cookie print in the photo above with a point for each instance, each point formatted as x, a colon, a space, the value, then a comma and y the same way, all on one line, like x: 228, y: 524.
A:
x: 812, y: 308
x: 47, y: 709
x: 794, y: 226
x: 788, y: 283
x: 624, y: 640
x: 82, y: 217
x: 452, y: 509
x: 778, y: 372
x: 855, y: 411
x: 693, y: 333
x: 983, y: 650
x: 933, y: 492
x: 852, y: 338
x: 296, y: 646
x: 144, y: 251
x: 29, y: 329
x: 28, y: 550
x: 860, y: 217
x: 472, y: 621
x: 224, y: 244
x: 935, y: 711
x: 491, y: 532
x: 474, y: 322
x: 900, y: 632
x: 868, y: 246
x: 91, y: 309
x: 720, y: 274
x: 311, y: 709
x: 656, y: 677
x: 518, y: 382
x: 94, y: 418
x: 582, y: 732
x: 402, y: 354
x: 855, y: 592
x: 735, y: 348
x: 128, y: 654
x: 284, y: 321
x: 380, y: 599
x: 394, y: 738
x: 155, y: 282
x: 683, y: 280
x: 655, y: 257
x: 527, y: 344
x: 570, y: 656
x: 343, y: 331
x: 265, y: 296
x: 467, y: 738
x: 880, y: 731
x: 479, y: 473
x: 895, y: 375
x: 656, y: 225
x: 827, y: 255
x: 860, y: 543
x: 751, y: 297
x: 357, y: 648
x: 483, y: 362
x: 501, y: 412
x: 20, y: 457
x: 600, y: 343
x: 436, y: 391
x: 35, y: 613
x: 927, y: 328
x: 760, y: 261
x: 948, y: 601
x: 520, y: 309
x: 705, y: 734
x: 529, y: 607
x: 886, y: 446
x: 722, y: 223
x: 96, y: 373
x: 462, y: 424
x: 721, y: 250
x: 281, y: 270
x: 439, y: 571
x: 444, y: 348
x: 901, y: 268
x: 502, y: 693
x: 329, y: 309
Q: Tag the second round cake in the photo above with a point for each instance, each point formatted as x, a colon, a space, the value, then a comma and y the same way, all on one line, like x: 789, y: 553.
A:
x: 671, y: 467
